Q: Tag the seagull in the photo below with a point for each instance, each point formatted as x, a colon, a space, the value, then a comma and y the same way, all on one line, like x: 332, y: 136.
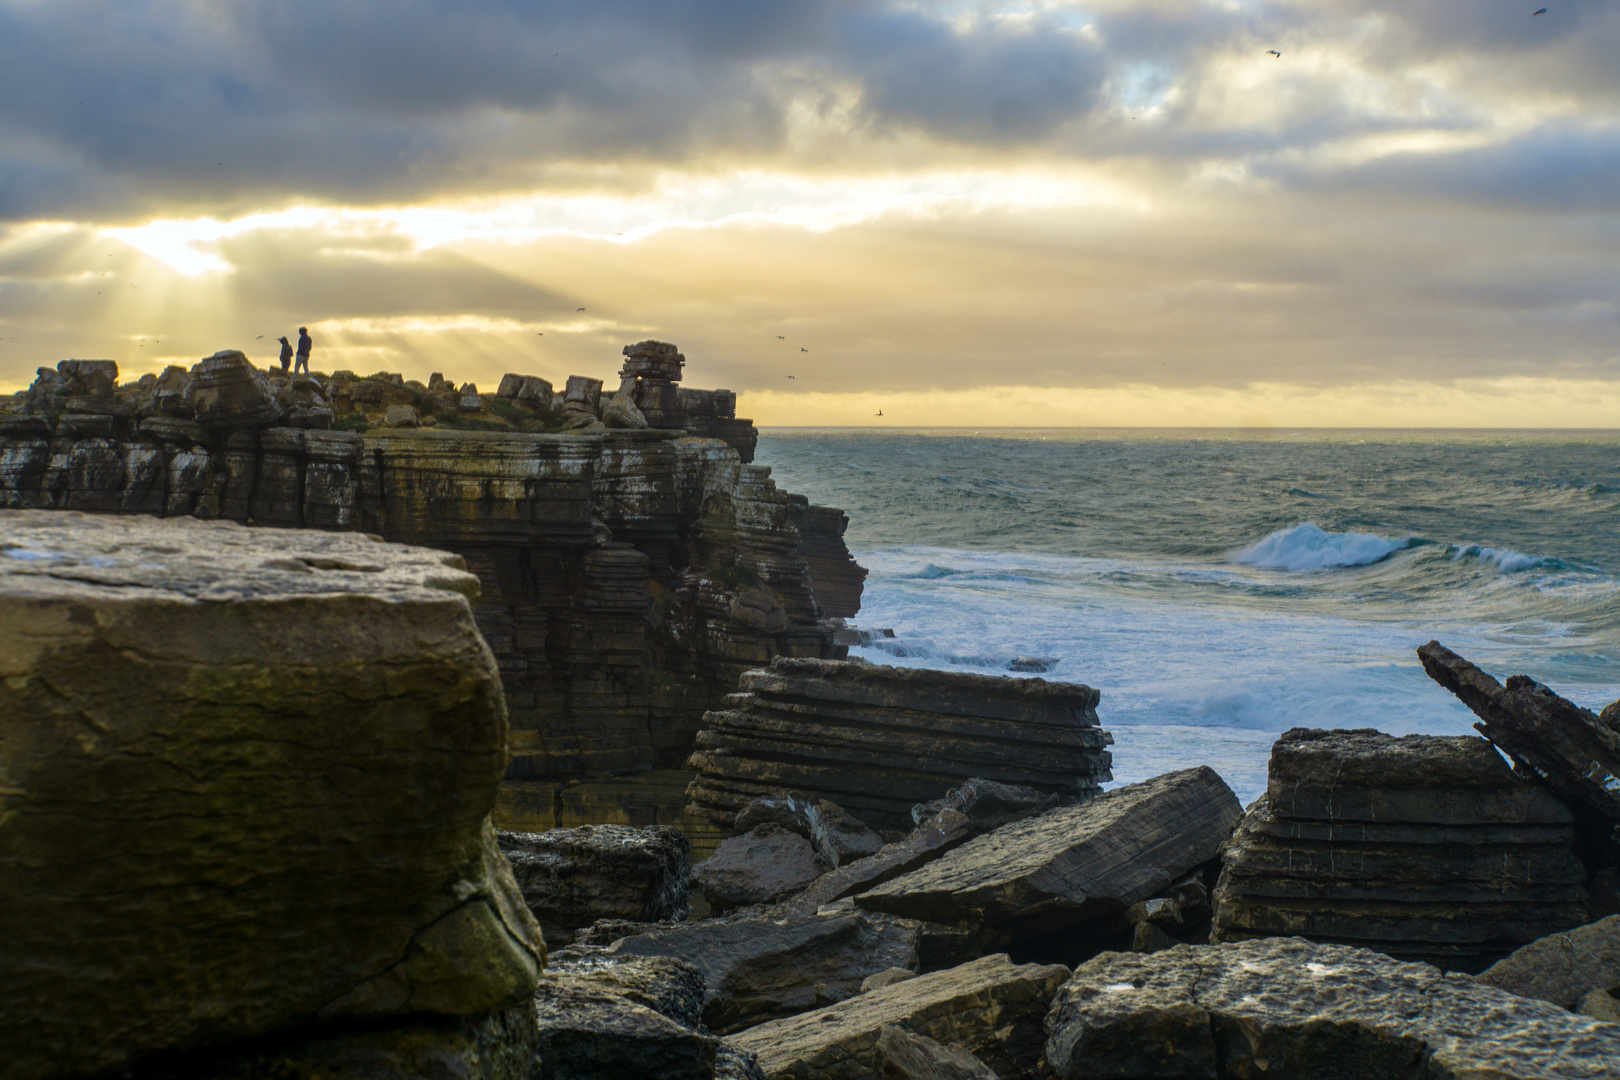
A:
x: 259, y: 338
x: 779, y: 337
x: 787, y: 376
x: 1543, y: 11
x: 539, y: 333
x: 878, y: 413
x: 579, y: 309
x: 1274, y: 52
x: 803, y: 349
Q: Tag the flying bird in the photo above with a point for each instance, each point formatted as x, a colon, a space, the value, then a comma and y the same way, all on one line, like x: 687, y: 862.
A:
x: 1274, y: 52
x: 803, y: 349
x: 579, y: 309
x: 787, y: 376
x: 1543, y: 11
x: 779, y: 337
x: 259, y: 338
x: 878, y: 413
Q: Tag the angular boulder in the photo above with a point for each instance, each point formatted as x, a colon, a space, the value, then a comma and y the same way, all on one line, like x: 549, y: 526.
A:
x: 762, y: 866
x: 839, y: 836
x: 1292, y: 1008
x: 570, y: 878
x: 905, y: 1055
x: 992, y: 1008
x: 246, y: 784
x: 1070, y: 865
x: 226, y: 391
x: 758, y: 968
x: 1423, y: 847
x: 1562, y: 968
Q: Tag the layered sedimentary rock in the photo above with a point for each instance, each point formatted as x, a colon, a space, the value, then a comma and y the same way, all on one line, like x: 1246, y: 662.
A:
x: 1293, y: 1008
x: 878, y: 740
x: 628, y: 577
x: 991, y: 1007
x: 838, y: 578
x: 572, y: 877
x: 245, y: 780
x: 1426, y: 847
x: 1070, y: 866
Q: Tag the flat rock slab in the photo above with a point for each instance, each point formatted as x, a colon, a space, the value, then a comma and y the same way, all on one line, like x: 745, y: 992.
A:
x: 1287, y: 1007
x: 1562, y: 968
x: 991, y: 1007
x: 762, y: 866
x: 572, y: 877
x: 757, y: 968
x: 1071, y: 864
x: 245, y: 777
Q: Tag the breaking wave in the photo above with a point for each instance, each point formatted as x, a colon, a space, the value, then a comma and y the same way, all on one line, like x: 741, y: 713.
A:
x: 1310, y: 547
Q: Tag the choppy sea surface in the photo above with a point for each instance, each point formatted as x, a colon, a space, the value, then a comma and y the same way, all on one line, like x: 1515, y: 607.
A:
x: 1222, y: 587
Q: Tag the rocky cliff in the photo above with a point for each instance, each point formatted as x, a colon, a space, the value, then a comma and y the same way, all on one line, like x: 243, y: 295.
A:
x: 631, y: 567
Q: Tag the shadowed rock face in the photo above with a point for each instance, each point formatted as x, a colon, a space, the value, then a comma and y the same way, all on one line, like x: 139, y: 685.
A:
x: 1562, y: 968
x: 570, y: 878
x: 1423, y: 847
x: 612, y: 564
x: 1290, y: 1007
x: 245, y: 780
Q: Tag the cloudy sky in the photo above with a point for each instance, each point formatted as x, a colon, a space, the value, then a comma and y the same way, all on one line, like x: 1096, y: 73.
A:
x: 1035, y: 212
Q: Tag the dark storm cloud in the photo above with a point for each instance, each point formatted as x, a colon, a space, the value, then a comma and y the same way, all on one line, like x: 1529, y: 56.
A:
x: 117, y: 111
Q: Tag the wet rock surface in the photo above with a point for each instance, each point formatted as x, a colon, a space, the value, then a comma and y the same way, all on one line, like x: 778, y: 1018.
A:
x: 763, y: 865
x: 876, y: 740
x: 1071, y: 865
x: 1294, y: 1008
x: 288, y: 821
x: 1426, y: 847
x: 991, y: 1007
x: 573, y: 877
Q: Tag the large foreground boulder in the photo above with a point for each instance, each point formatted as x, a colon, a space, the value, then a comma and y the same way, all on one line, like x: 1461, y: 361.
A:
x: 245, y: 780
x: 1070, y: 865
x: 992, y: 1008
x: 1424, y: 847
x: 1286, y: 1007
x: 1562, y: 968
x: 572, y: 877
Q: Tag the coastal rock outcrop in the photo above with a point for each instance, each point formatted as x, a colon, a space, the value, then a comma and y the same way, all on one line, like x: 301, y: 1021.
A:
x: 611, y: 563
x: 1072, y: 865
x: 571, y: 878
x: 1294, y: 1008
x: 1422, y: 847
x: 763, y: 865
x: 991, y: 1007
x: 904, y: 1055
x: 838, y: 836
x: 287, y: 823
x: 877, y: 740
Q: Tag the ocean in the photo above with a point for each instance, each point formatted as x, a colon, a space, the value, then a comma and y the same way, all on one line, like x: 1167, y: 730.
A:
x: 1219, y: 588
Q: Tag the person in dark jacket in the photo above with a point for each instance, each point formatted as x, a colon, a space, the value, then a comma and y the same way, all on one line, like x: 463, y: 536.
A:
x: 286, y: 354
x: 304, y: 344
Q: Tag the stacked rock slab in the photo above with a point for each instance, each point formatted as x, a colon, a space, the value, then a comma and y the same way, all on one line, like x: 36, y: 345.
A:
x: 837, y: 577
x: 245, y: 785
x: 1423, y: 847
x: 877, y: 740
x: 610, y: 563
x: 656, y: 368
x: 572, y: 877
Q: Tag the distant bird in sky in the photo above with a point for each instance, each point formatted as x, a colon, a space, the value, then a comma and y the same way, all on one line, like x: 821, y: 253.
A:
x: 1543, y: 11
x: 779, y: 337
x: 579, y: 309
x: 788, y: 376
x: 539, y: 333
x: 803, y: 349
x: 259, y: 338
x: 878, y: 413
x: 1274, y: 52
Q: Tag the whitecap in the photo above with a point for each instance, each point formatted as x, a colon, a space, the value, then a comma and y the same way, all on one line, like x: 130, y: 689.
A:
x: 1310, y: 547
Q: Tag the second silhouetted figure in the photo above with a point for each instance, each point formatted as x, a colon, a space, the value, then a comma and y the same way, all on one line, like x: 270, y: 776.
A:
x: 304, y: 345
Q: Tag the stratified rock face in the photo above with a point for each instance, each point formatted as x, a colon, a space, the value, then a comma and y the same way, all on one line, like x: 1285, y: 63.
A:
x: 1293, y: 1008
x: 1575, y: 752
x: 991, y: 1007
x: 877, y: 740
x: 245, y: 777
x: 572, y: 877
x: 838, y: 578
x: 1071, y: 865
x: 614, y: 565
x: 1423, y: 847
x: 759, y: 967
x: 1562, y: 968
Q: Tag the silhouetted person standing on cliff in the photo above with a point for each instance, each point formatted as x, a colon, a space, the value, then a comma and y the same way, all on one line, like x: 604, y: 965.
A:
x: 286, y: 354
x: 304, y: 344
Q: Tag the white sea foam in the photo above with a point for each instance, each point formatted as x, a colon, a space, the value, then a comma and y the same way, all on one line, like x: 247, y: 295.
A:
x: 1309, y: 547
x: 1506, y: 559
